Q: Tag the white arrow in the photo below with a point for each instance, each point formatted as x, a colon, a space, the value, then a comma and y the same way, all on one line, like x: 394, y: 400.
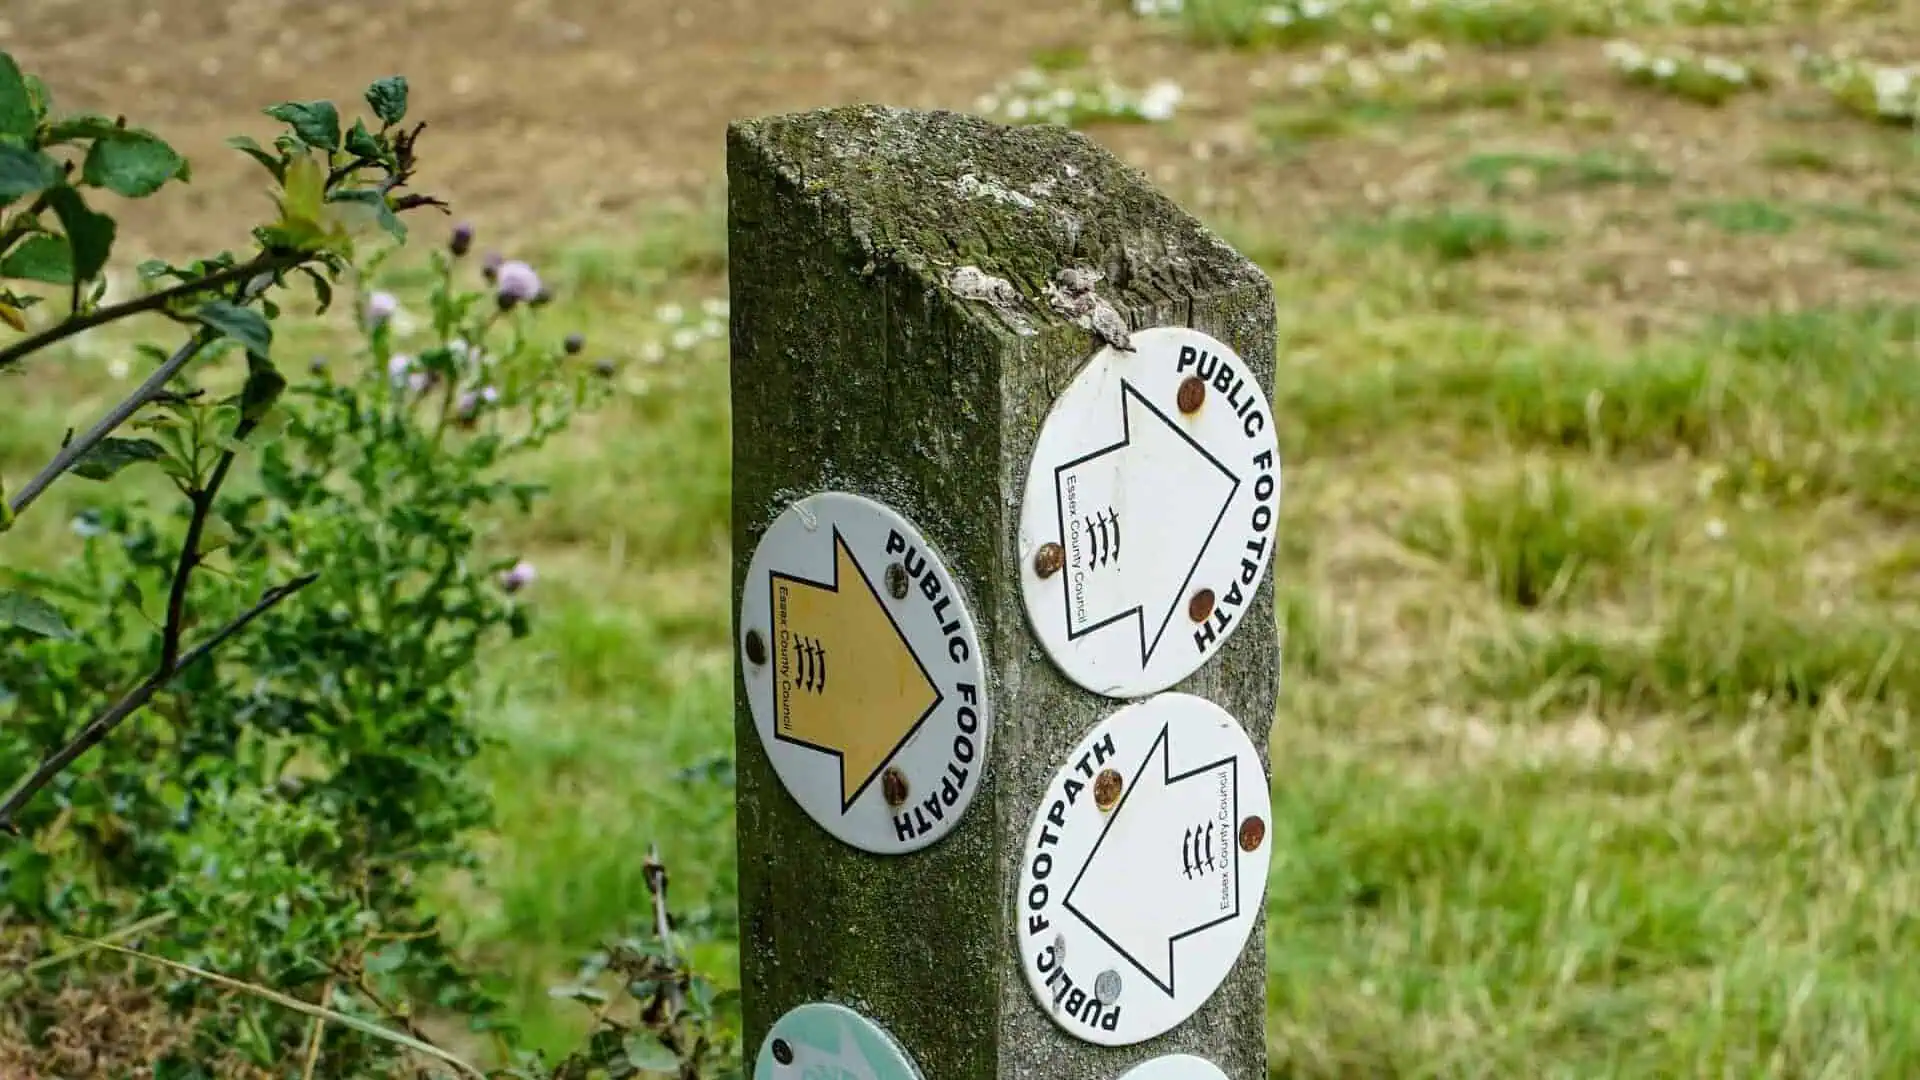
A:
x: 1166, y: 866
x: 1135, y: 518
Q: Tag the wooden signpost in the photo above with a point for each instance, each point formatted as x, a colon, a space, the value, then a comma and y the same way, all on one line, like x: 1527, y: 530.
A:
x: 1005, y: 497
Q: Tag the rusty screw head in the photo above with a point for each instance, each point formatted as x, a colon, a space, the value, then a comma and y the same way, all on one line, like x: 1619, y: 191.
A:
x: 1200, y: 606
x: 1252, y: 831
x: 756, y: 648
x: 897, y: 581
x: 1049, y: 559
x: 1193, y: 393
x: 782, y: 1053
x: 1106, y: 789
x: 893, y: 784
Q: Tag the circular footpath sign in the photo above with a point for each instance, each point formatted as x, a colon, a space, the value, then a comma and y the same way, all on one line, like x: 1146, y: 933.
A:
x: 823, y: 1040
x: 1144, y: 869
x: 1148, y: 520
x: 1175, y: 1067
x: 864, y: 672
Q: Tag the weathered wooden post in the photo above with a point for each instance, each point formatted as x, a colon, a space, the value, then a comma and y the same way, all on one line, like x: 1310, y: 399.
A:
x: 1005, y: 486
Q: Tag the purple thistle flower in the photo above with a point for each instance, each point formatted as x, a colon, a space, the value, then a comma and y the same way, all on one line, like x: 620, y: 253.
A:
x: 489, y: 395
x: 419, y: 381
x: 520, y: 576
x: 397, y: 368
x: 462, y: 241
x: 515, y: 281
x: 381, y: 306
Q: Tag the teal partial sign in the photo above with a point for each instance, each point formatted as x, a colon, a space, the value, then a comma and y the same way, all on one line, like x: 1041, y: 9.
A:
x: 824, y: 1041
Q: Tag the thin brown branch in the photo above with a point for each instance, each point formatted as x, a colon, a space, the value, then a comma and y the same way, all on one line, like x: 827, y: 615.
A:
x: 73, y: 449
x: 357, y: 976
x: 202, y: 499
x: 267, y: 262
x: 129, y: 703
x: 655, y: 873
x: 313, y: 1035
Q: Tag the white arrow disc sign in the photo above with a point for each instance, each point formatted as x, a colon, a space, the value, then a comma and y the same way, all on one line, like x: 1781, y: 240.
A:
x: 1144, y: 869
x: 1148, y: 521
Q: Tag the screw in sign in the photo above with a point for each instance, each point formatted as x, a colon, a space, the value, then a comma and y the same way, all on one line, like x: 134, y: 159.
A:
x: 864, y: 673
x: 1144, y: 869
x: 1148, y: 519
x: 825, y: 1041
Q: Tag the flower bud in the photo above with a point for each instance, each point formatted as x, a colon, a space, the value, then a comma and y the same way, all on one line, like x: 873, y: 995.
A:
x: 381, y: 306
x: 603, y: 368
x: 518, y: 577
x: 490, y: 266
x: 462, y: 240
x: 515, y: 281
x: 575, y: 343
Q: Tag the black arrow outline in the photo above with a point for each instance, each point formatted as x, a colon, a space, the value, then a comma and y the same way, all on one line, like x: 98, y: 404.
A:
x: 1163, y: 747
x: 774, y: 577
x: 1127, y: 389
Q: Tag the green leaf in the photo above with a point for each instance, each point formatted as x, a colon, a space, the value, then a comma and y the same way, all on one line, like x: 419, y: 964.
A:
x: 254, y: 150
x: 372, y: 200
x: 264, y: 384
x: 243, y: 325
x: 361, y: 143
x: 133, y: 164
x: 109, y: 456
x: 388, y: 958
x: 89, y: 233
x: 82, y: 126
x: 39, y: 257
x: 24, y: 171
x: 645, y: 1052
x: 317, y: 123
x: 30, y: 613
x: 388, y: 97
x: 17, y: 114
x: 322, y: 289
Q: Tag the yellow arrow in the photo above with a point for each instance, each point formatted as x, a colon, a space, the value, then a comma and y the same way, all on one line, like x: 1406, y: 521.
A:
x: 846, y: 682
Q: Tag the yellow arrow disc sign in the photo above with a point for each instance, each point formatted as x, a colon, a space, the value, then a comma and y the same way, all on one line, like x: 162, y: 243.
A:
x: 863, y: 672
x: 846, y: 681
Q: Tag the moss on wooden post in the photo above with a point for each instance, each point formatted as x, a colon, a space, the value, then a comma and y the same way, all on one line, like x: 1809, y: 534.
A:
x: 876, y: 351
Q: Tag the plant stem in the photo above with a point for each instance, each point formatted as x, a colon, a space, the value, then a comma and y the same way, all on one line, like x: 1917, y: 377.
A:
x: 129, y: 703
x: 202, y: 502
x: 77, y: 448
x: 266, y: 262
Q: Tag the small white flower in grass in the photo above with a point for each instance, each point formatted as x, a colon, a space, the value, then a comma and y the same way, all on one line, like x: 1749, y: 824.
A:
x: 653, y: 352
x: 419, y: 381
x: 519, y: 576
x: 489, y: 395
x: 381, y: 306
x: 398, y: 367
x: 1160, y: 100
x: 1665, y: 67
x: 670, y: 313
x: 1716, y: 529
x: 685, y: 338
x: 119, y: 368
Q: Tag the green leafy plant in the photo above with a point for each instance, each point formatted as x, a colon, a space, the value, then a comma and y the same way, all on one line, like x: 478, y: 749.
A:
x: 236, y: 722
